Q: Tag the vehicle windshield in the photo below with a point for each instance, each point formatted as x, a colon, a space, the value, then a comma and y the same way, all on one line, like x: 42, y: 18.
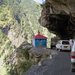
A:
x: 65, y: 42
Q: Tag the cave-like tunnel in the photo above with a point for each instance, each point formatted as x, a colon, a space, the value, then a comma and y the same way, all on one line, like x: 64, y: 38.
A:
x: 58, y: 16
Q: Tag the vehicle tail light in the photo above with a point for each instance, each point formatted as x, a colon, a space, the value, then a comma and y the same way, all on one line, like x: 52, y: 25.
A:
x: 73, y: 57
x: 73, y: 65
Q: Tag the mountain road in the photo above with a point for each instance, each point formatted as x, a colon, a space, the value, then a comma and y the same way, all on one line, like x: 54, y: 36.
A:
x: 61, y: 65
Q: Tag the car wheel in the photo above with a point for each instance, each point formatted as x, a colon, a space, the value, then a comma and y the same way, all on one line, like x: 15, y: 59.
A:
x: 60, y: 50
x: 70, y: 50
x: 56, y: 48
x: 73, y: 70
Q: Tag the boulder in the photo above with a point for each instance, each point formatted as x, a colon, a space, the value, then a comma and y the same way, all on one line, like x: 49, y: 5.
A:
x: 38, y: 53
x: 26, y: 46
x: 25, y: 43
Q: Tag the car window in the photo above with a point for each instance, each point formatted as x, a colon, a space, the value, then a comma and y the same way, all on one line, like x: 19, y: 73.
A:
x: 65, y: 42
x: 59, y: 42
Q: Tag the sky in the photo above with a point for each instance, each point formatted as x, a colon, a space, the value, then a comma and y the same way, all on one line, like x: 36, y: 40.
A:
x: 40, y: 1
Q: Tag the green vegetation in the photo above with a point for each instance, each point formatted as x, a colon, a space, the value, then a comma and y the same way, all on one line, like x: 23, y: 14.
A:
x: 21, y: 68
x: 24, y: 14
x: 21, y: 17
x: 26, y: 65
x: 20, y: 47
x: 3, y: 38
x: 46, y: 55
x: 25, y: 53
x: 32, y: 55
x: 43, y: 5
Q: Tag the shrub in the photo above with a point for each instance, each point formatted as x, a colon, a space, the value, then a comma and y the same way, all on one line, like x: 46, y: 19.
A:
x: 25, y: 53
x: 25, y: 66
x: 32, y: 55
x: 21, y: 68
x: 46, y: 55
x: 14, y: 70
x: 20, y: 47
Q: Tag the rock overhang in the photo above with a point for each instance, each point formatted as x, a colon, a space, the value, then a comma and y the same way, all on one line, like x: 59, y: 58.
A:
x: 58, y: 16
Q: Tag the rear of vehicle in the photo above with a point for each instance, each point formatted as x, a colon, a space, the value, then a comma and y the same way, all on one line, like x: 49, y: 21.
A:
x: 63, y: 45
x: 73, y: 58
x: 54, y: 41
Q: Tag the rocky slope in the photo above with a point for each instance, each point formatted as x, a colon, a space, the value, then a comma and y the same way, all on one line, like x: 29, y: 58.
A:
x: 26, y: 52
x: 58, y: 16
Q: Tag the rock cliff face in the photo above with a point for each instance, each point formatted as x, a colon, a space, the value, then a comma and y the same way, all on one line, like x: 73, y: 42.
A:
x: 58, y: 16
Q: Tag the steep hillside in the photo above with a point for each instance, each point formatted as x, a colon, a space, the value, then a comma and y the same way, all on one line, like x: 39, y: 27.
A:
x: 18, y: 23
x: 23, y: 14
